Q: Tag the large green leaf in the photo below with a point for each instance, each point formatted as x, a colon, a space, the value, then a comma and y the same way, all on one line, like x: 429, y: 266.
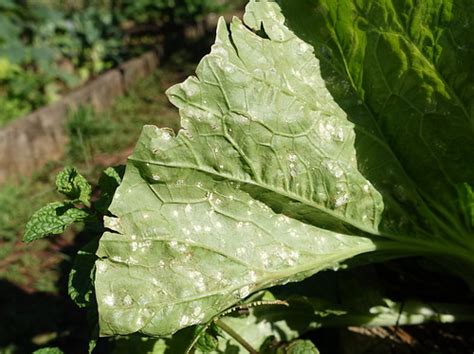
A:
x: 259, y: 113
x: 192, y: 235
x: 253, y: 327
x: 402, y: 72
x: 262, y: 185
x: 192, y: 246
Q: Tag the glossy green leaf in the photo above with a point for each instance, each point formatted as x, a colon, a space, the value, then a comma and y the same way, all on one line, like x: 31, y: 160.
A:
x: 52, y: 219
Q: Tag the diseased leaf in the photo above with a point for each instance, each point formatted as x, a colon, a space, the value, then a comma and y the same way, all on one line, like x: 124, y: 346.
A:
x: 194, y: 246
x: 286, y: 165
x: 52, y: 219
x: 279, y: 133
x: 72, y: 184
x: 191, y: 234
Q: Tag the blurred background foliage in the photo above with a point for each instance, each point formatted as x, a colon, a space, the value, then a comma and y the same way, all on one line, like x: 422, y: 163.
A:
x: 48, y: 47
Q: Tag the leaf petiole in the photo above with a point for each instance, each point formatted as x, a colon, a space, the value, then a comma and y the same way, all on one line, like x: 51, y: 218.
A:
x: 222, y: 325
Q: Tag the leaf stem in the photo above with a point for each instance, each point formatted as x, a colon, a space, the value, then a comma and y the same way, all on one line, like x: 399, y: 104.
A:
x: 425, y: 248
x: 235, y: 336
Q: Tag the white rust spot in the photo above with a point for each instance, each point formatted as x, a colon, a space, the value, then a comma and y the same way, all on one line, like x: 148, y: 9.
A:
x: 101, y: 267
x: 127, y: 300
x: 109, y: 300
x: 184, y: 321
x: 188, y: 209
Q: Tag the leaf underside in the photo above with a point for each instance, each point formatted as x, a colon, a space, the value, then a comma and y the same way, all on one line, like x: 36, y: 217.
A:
x: 202, y: 218
x: 270, y: 180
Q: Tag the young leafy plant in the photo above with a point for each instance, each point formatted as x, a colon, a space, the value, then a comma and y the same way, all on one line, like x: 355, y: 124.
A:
x: 55, y: 217
x: 301, y: 147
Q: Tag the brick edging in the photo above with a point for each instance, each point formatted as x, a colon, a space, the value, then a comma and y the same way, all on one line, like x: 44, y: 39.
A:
x: 39, y: 136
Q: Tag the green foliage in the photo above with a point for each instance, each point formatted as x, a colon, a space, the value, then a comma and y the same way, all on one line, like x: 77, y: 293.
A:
x: 171, y: 11
x: 271, y: 157
x: 296, y: 347
x: 55, y: 217
x: 46, y: 50
x: 9, y: 196
x: 52, y: 219
x: 305, y: 141
x: 74, y: 186
x: 28, y: 266
x: 48, y: 351
x: 83, y: 126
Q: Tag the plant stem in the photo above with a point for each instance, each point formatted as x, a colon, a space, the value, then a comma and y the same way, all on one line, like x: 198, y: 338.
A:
x: 236, y: 336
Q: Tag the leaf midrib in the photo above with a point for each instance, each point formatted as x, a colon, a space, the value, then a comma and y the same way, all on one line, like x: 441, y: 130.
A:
x: 282, y: 192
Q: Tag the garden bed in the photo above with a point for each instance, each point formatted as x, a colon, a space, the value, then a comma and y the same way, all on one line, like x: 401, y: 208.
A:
x: 29, y: 142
